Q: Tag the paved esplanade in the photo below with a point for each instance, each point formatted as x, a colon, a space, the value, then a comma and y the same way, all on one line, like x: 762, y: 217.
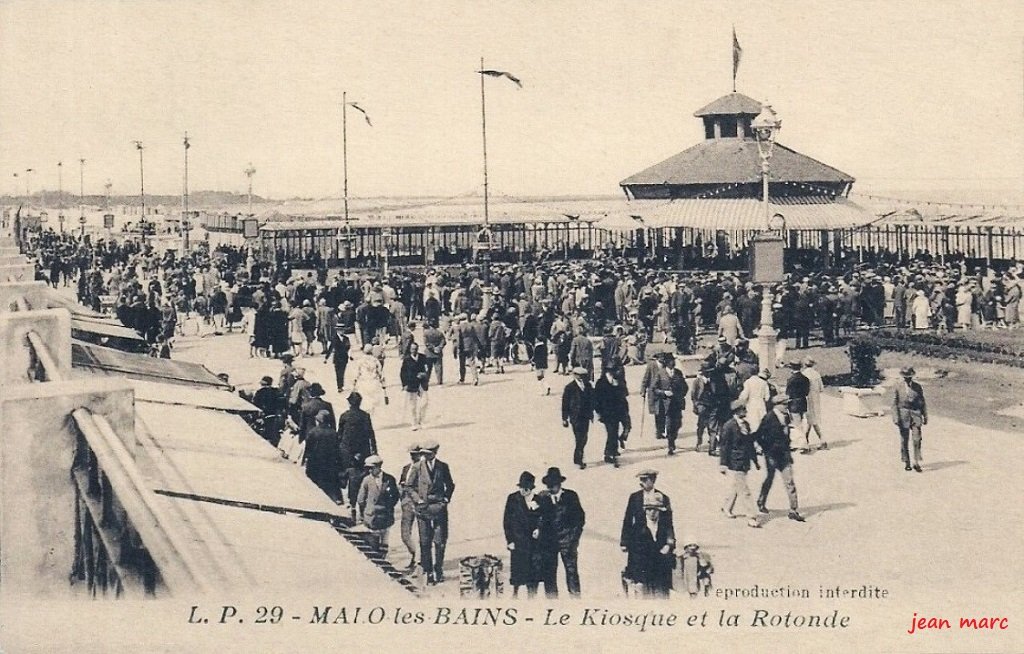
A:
x: 868, y: 521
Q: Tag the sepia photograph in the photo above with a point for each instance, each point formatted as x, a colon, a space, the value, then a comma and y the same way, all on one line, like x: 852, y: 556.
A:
x: 464, y: 325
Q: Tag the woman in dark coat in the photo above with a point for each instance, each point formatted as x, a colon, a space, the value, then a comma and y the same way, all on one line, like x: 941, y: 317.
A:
x: 650, y: 558
x: 521, y: 521
x: 261, y: 329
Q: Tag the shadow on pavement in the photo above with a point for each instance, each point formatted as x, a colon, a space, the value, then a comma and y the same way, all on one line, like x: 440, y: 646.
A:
x: 809, y: 511
x: 939, y: 465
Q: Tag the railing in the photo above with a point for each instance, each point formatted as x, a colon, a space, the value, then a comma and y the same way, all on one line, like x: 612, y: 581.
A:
x: 120, y: 545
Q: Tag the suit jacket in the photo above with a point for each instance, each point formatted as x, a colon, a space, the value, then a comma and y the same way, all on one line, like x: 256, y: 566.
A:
x: 424, y: 486
x: 561, y: 523
x: 468, y: 341
x: 908, y: 404
x: 581, y: 352
x: 377, y: 500
x: 411, y: 369
x: 578, y: 403
x: 355, y: 433
x: 635, y: 516
x: 774, y: 438
x: 307, y: 415
x: 736, y: 448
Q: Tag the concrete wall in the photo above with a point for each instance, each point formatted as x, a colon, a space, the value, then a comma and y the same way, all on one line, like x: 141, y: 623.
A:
x: 37, y: 496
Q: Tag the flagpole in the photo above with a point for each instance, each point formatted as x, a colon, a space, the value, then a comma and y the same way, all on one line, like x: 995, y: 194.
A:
x: 483, y: 125
x: 344, y: 165
x: 733, y: 44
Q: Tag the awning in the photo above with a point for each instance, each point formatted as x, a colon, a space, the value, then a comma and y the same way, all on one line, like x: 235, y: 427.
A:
x: 745, y: 214
x: 104, y: 360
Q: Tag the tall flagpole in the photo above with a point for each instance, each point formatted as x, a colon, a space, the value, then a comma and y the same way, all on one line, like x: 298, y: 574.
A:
x: 344, y: 167
x: 184, y: 223
x: 483, y: 125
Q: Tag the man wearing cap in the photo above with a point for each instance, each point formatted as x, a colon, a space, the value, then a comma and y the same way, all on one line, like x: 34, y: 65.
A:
x: 701, y: 401
x: 378, y: 494
x: 561, y: 526
x: 737, y: 453
x: 655, y: 382
x: 311, y: 407
x: 408, y: 507
x: 649, y: 546
x: 430, y: 488
x: 521, y: 522
x: 433, y: 349
x: 469, y: 349
x: 635, y: 507
x: 268, y: 400
x: 909, y: 414
x: 773, y: 437
x: 358, y: 441
x: 578, y: 411
x: 322, y: 456
x: 812, y: 418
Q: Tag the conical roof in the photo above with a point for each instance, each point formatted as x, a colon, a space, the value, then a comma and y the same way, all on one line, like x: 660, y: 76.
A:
x: 731, y: 104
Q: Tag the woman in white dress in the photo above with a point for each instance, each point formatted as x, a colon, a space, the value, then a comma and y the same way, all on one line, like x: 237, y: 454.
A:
x: 369, y: 380
x: 963, y: 306
x: 920, y: 309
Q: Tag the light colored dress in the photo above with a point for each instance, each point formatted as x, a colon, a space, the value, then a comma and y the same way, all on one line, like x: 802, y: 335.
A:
x: 817, y: 387
x: 963, y: 307
x: 369, y: 382
x: 921, y: 310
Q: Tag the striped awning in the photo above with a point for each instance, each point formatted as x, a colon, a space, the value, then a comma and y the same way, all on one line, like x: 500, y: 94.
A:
x: 747, y: 214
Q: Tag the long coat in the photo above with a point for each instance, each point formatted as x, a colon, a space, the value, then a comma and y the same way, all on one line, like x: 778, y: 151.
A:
x: 355, y: 433
x: 561, y: 523
x: 520, y: 521
x: 645, y: 564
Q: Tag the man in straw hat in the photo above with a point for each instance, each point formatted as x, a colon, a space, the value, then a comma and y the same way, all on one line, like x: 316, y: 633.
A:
x: 909, y: 414
x: 773, y: 437
x: 561, y: 526
x: 430, y: 488
x: 521, y: 522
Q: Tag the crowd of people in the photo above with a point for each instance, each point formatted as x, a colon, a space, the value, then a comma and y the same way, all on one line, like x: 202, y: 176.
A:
x: 593, y: 318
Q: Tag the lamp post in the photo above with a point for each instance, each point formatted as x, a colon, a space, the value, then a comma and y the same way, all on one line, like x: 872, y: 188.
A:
x: 81, y: 194
x: 184, y: 223
x: 765, y: 127
x: 142, y: 192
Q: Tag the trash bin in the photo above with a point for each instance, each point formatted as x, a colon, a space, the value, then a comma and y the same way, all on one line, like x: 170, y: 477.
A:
x: 480, y: 577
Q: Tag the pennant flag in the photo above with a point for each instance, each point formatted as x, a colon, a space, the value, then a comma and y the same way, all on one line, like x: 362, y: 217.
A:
x: 187, y: 144
x: 737, y: 54
x: 501, y: 73
x: 362, y: 111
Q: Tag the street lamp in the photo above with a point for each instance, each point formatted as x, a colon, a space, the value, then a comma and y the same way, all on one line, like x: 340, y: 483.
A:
x: 766, y: 250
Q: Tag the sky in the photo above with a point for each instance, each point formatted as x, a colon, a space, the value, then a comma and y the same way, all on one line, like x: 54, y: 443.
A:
x: 913, y: 95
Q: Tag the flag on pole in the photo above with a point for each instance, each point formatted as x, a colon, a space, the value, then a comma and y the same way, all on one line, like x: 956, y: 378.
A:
x: 356, y: 106
x: 502, y: 73
x: 737, y: 54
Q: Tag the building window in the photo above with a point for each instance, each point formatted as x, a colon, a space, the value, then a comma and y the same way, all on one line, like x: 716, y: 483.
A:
x: 709, y: 128
x: 728, y: 126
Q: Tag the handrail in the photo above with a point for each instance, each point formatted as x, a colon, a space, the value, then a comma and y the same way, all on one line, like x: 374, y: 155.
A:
x: 178, y: 569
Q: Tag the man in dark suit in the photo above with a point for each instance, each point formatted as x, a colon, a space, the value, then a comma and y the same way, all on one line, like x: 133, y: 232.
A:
x: 322, y: 457
x: 635, y: 507
x: 773, y: 437
x: 736, y: 454
x: 561, y: 526
x: 355, y: 434
x: 649, y: 546
x: 339, y: 346
x: 673, y: 401
x: 612, y: 405
x: 521, y: 523
x: 311, y: 407
x: 415, y: 381
x: 578, y: 411
x: 430, y: 487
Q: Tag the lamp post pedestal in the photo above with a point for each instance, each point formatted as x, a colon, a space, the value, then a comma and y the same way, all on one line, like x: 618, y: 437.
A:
x: 766, y: 334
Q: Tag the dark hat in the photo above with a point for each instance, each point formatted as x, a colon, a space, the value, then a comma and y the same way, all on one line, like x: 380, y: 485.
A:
x: 907, y: 371
x: 354, y: 398
x: 316, y: 390
x: 266, y: 381
x: 287, y: 358
x: 414, y: 447
x: 553, y: 476
x: 526, y: 480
